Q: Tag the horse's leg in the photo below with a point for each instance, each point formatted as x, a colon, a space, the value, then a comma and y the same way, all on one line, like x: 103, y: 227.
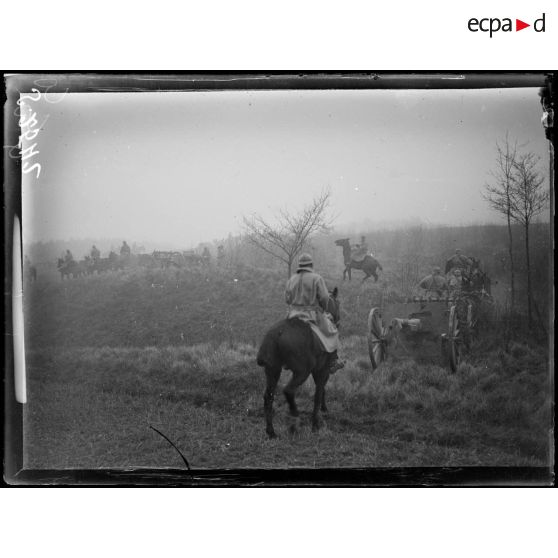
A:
x: 272, y: 377
x: 323, y: 406
x: 298, y: 378
x: 320, y: 379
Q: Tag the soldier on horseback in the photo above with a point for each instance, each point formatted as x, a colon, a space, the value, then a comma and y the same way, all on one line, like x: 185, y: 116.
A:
x: 95, y: 253
x: 68, y: 257
x: 307, y: 296
x: 125, y: 249
x: 360, y: 251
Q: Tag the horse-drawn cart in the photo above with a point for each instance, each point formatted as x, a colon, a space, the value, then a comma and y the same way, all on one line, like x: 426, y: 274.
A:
x: 431, y: 327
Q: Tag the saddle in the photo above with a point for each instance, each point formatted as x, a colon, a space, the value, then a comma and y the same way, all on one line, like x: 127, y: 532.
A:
x: 322, y: 327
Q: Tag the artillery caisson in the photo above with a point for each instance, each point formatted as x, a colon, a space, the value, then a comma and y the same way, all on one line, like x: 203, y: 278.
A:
x: 423, y: 327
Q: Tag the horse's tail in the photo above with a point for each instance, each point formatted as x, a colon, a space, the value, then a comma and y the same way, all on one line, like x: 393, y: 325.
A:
x: 267, y: 353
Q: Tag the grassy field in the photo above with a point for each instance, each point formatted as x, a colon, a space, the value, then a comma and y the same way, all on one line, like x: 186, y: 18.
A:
x: 109, y: 356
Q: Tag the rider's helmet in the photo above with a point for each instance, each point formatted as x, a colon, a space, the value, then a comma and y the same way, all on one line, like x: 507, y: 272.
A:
x: 305, y: 261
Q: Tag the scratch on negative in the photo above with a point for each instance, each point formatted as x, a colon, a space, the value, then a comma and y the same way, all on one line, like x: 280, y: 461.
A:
x: 170, y: 442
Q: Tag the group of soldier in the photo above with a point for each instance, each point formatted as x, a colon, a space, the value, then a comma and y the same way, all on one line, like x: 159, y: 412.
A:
x: 307, y: 296
x: 458, y: 268
x: 95, y: 253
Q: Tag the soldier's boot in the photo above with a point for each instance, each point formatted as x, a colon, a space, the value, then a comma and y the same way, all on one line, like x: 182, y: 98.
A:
x: 334, y: 363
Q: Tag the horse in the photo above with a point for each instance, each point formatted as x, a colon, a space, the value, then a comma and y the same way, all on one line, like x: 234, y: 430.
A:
x: 116, y: 262
x: 89, y: 265
x: 292, y: 345
x: 369, y: 265
x: 479, y: 281
x: 70, y: 269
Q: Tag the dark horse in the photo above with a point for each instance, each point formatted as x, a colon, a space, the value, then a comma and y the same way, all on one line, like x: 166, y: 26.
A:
x: 70, y: 269
x: 369, y: 265
x: 291, y: 344
x: 478, y: 280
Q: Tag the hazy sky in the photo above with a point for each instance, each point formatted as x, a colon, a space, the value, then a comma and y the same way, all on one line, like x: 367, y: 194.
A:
x: 184, y: 167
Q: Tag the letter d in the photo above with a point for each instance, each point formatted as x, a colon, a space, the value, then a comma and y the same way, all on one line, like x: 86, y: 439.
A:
x: 535, y: 25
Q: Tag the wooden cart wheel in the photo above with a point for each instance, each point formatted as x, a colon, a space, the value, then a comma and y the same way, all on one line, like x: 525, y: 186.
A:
x: 453, y: 339
x: 377, y: 348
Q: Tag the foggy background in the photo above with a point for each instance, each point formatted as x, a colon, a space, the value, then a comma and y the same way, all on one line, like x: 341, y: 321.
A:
x: 177, y: 169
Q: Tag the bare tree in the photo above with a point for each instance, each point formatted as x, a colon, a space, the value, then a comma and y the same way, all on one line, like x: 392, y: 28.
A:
x: 528, y: 198
x: 285, y: 240
x: 498, y: 195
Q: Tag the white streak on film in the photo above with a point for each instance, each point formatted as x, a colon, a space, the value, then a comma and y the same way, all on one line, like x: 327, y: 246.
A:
x: 17, y: 319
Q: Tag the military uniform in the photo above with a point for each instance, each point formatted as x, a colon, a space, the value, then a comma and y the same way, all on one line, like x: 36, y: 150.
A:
x: 307, y: 296
x: 360, y: 251
x: 435, y: 282
x: 455, y: 283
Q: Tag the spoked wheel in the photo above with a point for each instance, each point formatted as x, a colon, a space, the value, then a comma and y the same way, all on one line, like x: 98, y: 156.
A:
x: 471, y: 323
x: 377, y: 347
x: 453, y: 339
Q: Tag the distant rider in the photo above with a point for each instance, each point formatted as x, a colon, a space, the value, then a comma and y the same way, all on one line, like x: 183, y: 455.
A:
x: 95, y: 253
x: 360, y: 251
x: 125, y: 249
x: 307, y: 296
x: 68, y: 257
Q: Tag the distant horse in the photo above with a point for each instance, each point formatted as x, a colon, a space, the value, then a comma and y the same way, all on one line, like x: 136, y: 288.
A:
x: 479, y: 281
x: 101, y: 265
x: 89, y: 265
x: 116, y: 262
x: 70, y: 269
x: 369, y: 265
x: 292, y: 345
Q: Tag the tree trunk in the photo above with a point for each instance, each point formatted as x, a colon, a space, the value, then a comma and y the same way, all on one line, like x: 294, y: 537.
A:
x: 512, y: 269
x: 289, y: 268
x: 529, y: 311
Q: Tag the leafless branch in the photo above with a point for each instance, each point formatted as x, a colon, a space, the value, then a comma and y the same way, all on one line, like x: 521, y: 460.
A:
x: 287, y: 238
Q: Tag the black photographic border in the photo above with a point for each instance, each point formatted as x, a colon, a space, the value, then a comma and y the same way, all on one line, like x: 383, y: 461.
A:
x: 74, y: 81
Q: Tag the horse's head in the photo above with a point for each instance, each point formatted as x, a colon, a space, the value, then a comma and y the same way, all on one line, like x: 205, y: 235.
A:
x: 480, y: 281
x: 333, y: 306
x: 342, y: 242
x: 60, y: 263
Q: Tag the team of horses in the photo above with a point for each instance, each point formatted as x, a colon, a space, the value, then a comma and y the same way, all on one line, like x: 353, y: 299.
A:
x: 89, y: 266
